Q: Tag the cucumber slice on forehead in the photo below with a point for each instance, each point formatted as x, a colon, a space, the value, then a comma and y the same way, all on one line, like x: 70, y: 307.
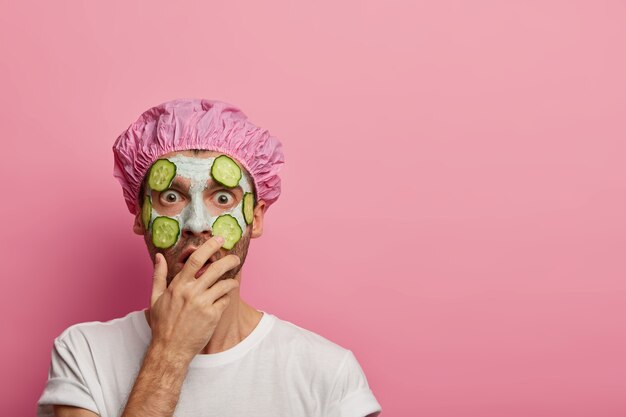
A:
x: 165, y: 231
x: 226, y: 171
x: 146, y: 212
x: 227, y: 227
x: 162, y: 172
x: 248, y: 207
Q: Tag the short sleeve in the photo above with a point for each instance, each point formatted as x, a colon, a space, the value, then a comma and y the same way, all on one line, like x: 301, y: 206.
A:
x: 351, y: 394
x: 66, y: 384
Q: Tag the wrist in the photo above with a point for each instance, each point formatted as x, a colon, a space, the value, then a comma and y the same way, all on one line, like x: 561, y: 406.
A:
x: 167, y: 357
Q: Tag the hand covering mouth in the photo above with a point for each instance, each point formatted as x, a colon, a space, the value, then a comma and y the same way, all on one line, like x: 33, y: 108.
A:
x: 187, y: 253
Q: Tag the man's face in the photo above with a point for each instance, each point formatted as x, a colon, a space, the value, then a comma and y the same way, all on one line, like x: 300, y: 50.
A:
x: 189, y: 198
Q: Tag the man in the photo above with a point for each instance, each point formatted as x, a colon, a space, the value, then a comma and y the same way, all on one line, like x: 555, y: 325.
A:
x: 199, y: 177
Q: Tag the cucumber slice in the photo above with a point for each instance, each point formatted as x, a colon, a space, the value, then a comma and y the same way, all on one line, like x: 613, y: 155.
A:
x: 165, y: 231
x: 162, y: 172
x: 226, y: 171
x: 146, y: 212
x: 248, y: 207
x: 227, y: 227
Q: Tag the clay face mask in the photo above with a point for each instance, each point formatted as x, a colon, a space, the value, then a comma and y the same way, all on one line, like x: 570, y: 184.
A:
x: 195, y: 216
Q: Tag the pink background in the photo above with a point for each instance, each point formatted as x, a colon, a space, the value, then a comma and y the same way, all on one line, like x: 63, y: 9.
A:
x: 454, y: 193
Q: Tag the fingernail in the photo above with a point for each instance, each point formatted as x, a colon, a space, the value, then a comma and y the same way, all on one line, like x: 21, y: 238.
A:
x: 158, y: 259
x: 219, y: 239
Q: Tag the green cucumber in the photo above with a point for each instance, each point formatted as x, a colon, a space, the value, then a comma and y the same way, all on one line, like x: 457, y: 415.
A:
x: 165, y: 231
x: 162, y: 172
x: 146, y: 212
x: 226, y: 171
x: 227, y: 227
x: 248, y: 207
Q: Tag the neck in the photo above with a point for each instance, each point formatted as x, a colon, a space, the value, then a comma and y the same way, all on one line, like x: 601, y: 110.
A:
x: 237, y: 322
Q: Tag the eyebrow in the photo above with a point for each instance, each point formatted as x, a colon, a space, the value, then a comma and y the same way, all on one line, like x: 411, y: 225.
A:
x: 177, y: 183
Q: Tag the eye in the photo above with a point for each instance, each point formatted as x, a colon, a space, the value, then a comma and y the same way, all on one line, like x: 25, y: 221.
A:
x: 170, y: 197
x: 224, y: 197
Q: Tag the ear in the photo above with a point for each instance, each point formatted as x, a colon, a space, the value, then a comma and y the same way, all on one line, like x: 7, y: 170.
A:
x: 138, y: 225
x: 257, y: 221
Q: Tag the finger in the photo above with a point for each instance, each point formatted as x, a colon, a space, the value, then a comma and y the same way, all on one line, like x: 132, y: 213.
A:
x: 200, y: 256
x: 218, y: 290
x: 216, y: 270
x: 159, y: 278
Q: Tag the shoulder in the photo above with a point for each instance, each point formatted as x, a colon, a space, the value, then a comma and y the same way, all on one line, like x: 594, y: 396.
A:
x: 331, y: 369
x: 305, y: 353
x: 91, y: 332
x: 306, y: 341
x: 80, y: 358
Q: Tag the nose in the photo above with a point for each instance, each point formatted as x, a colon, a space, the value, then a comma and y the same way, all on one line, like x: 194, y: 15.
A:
x: 196, y: 220
x: 187, y: 233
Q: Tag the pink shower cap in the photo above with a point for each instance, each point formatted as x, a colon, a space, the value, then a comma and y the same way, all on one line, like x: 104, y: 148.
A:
x: 197, y: 124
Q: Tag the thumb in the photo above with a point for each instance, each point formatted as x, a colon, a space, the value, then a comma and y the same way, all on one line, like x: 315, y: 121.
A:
x: 159, y: 279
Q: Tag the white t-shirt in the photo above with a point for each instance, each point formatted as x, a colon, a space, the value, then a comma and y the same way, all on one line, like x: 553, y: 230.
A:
x: 279, y: 369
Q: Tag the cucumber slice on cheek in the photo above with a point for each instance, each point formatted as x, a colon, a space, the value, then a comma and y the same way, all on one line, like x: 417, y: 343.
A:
x: 146, y: 212
x: 227, y: 227
x: 165, y: 231
x: 248, y: 207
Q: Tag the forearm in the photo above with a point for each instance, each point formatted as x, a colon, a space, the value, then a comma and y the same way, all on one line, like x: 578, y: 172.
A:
x: 157, y: 388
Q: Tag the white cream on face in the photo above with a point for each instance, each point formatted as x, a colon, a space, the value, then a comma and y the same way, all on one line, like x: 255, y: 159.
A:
x: 195, y: 215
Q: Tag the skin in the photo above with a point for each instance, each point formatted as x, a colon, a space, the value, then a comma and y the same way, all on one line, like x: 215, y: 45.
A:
x: 192, y: 310
x: 188, y: 238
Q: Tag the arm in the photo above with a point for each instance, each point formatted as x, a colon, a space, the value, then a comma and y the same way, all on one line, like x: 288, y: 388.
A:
x: 155, y: 392
x: 158, y: 385
x: 183, y: 318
